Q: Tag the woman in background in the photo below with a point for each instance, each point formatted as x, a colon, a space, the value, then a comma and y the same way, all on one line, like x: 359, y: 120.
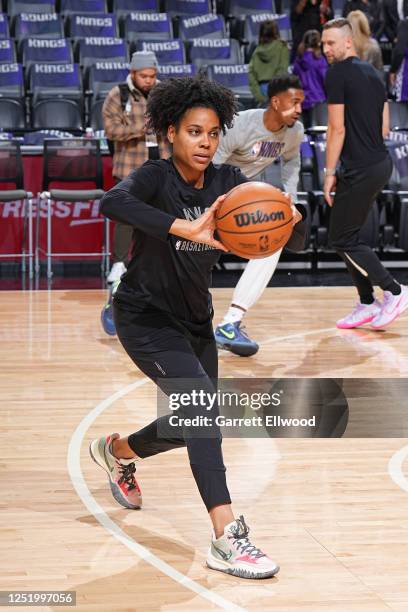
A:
x: 270, y: 58
x: 367, y: 48
x: 311, y: 67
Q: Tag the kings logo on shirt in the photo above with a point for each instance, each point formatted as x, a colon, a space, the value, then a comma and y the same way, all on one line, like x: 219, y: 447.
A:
x: 267, y: 148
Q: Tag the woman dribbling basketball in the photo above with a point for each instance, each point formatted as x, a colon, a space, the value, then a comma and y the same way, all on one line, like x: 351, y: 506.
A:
x: 162, y: 308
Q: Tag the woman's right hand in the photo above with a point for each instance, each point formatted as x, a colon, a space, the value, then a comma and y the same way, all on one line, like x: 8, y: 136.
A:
x: 201, y: 229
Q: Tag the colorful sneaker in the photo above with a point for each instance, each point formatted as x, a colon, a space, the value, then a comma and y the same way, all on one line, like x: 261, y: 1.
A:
x: 121, y: 472
x: 107, y: 321
x: 360, y: 315
x: 234, y: 554
x: 232, y: 337
x: 393, y: 306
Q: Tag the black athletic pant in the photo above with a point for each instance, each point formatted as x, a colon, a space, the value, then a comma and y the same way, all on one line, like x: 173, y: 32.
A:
x: 166, y: 349
x: 355, y: 195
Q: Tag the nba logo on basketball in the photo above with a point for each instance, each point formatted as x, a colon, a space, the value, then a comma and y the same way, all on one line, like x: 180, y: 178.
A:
x: 264, y: 243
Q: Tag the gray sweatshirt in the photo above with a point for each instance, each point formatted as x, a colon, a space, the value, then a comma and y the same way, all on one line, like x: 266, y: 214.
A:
x: 251, y: 147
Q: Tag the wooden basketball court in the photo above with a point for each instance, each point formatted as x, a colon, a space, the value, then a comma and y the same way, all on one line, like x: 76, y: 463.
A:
x: 332, y: 512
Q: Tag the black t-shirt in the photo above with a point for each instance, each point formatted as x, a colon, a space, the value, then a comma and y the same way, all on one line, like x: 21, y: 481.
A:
x: 166, y: 272
x: 360, y: 87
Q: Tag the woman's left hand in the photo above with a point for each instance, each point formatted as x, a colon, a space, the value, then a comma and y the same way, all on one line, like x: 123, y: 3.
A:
x: 201, y: 229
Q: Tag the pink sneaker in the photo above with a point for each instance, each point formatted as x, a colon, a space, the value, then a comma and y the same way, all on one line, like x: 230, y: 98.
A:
x: 360, y: 315
x: 393, y: 306
x: 121, y: 472
x: 233, y: 553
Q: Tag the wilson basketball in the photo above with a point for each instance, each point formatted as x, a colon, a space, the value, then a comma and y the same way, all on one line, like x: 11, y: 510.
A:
x: 255, y: 220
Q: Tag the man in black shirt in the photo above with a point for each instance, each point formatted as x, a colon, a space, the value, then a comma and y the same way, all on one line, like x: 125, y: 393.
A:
x: 357, y: 122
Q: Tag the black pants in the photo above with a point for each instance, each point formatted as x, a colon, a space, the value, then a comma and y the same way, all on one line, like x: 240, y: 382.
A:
x: 355, y: 195
x: 168, y: 351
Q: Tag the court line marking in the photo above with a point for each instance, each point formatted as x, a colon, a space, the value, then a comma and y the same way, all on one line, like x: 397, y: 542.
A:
x: 78, y: 480
x: 298, y: 335
x: 395, y: 468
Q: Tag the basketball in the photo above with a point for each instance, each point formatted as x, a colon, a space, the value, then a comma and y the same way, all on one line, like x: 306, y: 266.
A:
x: 255, y: 220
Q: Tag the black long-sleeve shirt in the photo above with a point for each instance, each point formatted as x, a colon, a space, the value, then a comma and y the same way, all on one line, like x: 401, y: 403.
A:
x: 166, y: 272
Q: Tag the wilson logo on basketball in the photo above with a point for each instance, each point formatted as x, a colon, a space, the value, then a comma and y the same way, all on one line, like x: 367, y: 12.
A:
x: 244, y: 219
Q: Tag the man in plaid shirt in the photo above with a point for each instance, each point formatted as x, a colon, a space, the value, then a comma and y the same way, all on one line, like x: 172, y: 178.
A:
x: 133, y: 145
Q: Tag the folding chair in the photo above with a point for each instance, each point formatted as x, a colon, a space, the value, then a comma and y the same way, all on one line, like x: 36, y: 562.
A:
x: 45, y: 51
x: 145, y: 26
x: 167, y: 51
x: 185, y: 7
x: 234, y: 77
x: 39, y: 25
x: 202, y: 26
x: 11, y: 171
x: 71, y: 161
x: 84, y: 25
x: 4, y: 27
x: 207, y: 51
x: 176, y: 71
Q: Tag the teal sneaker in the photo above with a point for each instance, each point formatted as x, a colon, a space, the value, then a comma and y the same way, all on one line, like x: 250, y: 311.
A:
x: 107, y: 321
x: 232, y: 337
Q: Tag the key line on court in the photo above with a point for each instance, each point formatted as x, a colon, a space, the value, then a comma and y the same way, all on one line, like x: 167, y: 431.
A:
x: 395, y: 468
x: 78, y: 480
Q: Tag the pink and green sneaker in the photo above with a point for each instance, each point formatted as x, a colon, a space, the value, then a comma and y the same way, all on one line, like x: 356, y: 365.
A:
x: 121, y: 472
x: 234, y: 554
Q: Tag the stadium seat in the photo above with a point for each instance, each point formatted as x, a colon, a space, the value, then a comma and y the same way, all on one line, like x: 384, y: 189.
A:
x: 148, y: 26
x: 167, y: 52
x: 202, y: 26
x: 11, y: 172
x: 11, y: 81
x: 252, y: 23
x: 38, y: 25
x: 4, y: 27
x: 95, y: 116
x: 7, y: 51
x: 45, y: 51
x: 122, y: 8
x: 99, y: 49
x: 398, y: 115
x: 319, y: 115
x: 12, y: 116
x: 55, y: 81
x: 207, y: 51
x: 17, y: 7
x: 105, y: 75
x: 234, y: 77
x: 70, y: 161
x: 56, y: 115
x: 91, y: 7
x: 179, y: 8
x: 237, y: 8
x: 83, y: 25
x: 178, y: 70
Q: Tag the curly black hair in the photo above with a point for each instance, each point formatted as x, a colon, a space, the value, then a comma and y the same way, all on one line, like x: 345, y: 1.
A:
x: 170, y: 100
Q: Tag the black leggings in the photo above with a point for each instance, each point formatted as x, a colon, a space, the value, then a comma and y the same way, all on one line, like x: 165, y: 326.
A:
x: 166, y: 350
x: 355, y: 194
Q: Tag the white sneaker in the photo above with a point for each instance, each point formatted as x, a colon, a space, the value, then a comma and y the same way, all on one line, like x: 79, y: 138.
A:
x: 234, y: 554
x: 116, y: 272
x: 393, y: 306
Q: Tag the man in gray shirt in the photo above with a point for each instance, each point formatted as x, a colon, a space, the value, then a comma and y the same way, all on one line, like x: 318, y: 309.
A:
x: 258, y: 138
